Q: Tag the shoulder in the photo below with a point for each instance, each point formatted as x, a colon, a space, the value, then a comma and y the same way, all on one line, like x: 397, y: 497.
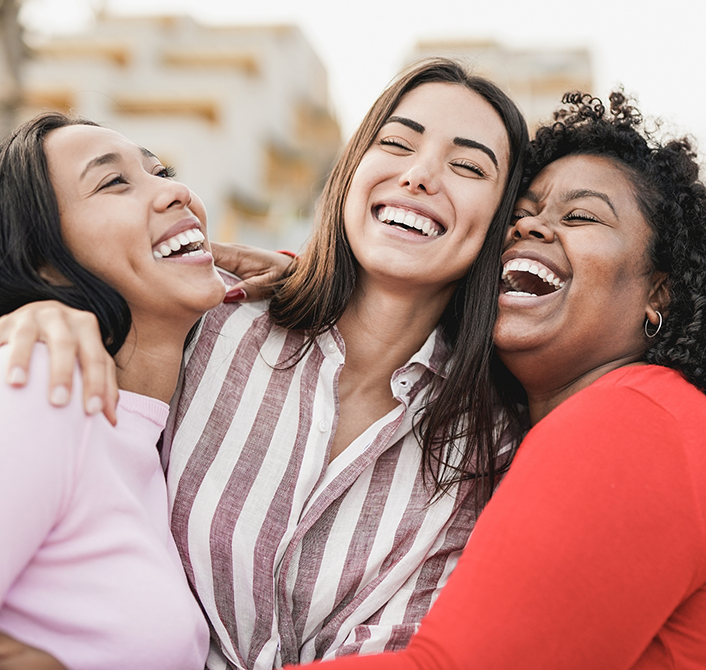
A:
x: 644, y: 393
x: 27, y: 410
x: 632, y: 419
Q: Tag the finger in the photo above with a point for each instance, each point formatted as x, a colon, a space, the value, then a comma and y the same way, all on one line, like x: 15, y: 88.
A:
x: 112, y: 394
x: 20, y: 348
x: 97, y: 366
x: 258, y: 287
x: 227, y: 256
x: 236, y: 293
x: 98, y: 373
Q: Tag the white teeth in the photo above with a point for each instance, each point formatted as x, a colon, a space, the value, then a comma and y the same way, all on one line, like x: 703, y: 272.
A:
x: 183, y: 239
x: 194, y: 235
x: 520, y: 265
x: 408, y: 219
x: 521, y: 294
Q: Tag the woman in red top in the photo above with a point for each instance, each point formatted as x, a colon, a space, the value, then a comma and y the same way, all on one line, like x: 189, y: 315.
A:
x: 592, y: 553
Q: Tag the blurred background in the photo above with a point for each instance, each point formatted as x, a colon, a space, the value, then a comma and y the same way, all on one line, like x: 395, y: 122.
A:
x: 251, y: 101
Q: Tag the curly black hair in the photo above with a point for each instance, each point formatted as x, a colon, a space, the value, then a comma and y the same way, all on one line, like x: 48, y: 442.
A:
x: 672, y: 199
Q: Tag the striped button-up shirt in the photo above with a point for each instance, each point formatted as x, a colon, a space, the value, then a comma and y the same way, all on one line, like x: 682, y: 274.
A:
x: 294, y: 558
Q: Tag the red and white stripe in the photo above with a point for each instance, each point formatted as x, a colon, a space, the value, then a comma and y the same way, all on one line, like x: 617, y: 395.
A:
x: 292, y: 558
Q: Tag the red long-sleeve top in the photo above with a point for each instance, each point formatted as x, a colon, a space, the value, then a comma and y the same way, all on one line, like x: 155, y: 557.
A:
x: 592, y: 553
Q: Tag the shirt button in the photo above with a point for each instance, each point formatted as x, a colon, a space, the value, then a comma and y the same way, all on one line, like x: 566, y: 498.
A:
x: 331, y: 347
x: 323, y: 426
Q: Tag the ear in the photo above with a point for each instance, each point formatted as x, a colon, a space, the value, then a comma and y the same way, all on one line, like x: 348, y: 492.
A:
x: 659, y: 297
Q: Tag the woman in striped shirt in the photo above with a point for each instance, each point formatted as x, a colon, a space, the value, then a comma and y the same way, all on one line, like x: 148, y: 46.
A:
x: 322, y: 446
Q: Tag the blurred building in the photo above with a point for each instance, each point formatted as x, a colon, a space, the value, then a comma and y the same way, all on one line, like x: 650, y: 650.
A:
x: 536, y: 79
x: 241, y: 112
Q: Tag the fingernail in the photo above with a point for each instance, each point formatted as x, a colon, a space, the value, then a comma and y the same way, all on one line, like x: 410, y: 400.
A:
x: 59, y: 396
x: 17, y: 377
x: 235, y: 295
x: 94, y: 404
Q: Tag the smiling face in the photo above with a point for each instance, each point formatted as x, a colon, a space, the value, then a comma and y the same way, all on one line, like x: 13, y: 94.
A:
x: 577, y: 278
x: 127, y: 222
x: 423, y: 197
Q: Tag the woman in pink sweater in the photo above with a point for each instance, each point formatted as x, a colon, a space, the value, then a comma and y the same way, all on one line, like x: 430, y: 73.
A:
x: 91, y: 574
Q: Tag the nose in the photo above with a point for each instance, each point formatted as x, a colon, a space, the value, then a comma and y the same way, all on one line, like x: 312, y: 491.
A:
x: 171, y: 194
x: 420, y: 177
x: 525, y: 227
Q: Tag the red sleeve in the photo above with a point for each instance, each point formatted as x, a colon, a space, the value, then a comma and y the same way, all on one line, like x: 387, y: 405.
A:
x: 581, y: 556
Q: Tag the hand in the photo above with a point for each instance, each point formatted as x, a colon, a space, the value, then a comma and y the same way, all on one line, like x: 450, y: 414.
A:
x: 17, y: 656
x: 257, y: 269
x: 69, y: 334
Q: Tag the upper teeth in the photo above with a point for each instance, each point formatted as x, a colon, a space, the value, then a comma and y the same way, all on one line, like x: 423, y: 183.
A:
x: 183, y: 239
x: 519, y: 265
x: 409, y: 219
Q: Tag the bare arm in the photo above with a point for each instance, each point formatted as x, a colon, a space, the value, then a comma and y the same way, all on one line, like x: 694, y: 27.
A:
x: 72, y: 334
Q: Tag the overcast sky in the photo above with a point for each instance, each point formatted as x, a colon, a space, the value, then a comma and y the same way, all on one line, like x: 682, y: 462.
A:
x: 655, y: 48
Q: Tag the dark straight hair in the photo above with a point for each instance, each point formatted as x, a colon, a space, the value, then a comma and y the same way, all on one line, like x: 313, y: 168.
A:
x: 31, y: 245
x: 457, y: 426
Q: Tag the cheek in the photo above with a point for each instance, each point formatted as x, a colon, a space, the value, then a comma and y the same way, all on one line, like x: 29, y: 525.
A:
x: 98, y: 249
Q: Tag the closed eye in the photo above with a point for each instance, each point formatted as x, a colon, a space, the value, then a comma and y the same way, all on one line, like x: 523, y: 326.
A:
x: 467, y: 166
x: 518, y: 214
x: 395, y: 143
x: 168, y: 172
x: 581, y: 217
x: 113, y: 181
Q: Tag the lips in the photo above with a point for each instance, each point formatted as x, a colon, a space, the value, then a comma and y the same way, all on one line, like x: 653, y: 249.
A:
x: 406, y: 219
x: 526, y: 277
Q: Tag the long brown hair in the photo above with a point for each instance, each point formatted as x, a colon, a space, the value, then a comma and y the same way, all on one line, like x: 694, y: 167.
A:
x: 457, y: 425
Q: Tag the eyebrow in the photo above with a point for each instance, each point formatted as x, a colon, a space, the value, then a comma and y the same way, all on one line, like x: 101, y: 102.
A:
x: 458, y: 141
x: 111, y: 157
x: 414, y: 125
x: 576, y: 194
x: 587, y: 193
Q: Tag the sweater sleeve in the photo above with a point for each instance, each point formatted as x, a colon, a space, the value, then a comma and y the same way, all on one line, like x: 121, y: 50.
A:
x: 592, y: 540
x: 40, y: 448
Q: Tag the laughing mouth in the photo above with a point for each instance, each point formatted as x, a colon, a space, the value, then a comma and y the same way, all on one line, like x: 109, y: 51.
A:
x: 187, y: 243
x: 525, y: 277
x: 407, y: 220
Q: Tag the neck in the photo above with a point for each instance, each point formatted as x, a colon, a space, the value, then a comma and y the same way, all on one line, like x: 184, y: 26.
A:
x: 545, y: 395
x: 149, y: 361
x: 388, y: 327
